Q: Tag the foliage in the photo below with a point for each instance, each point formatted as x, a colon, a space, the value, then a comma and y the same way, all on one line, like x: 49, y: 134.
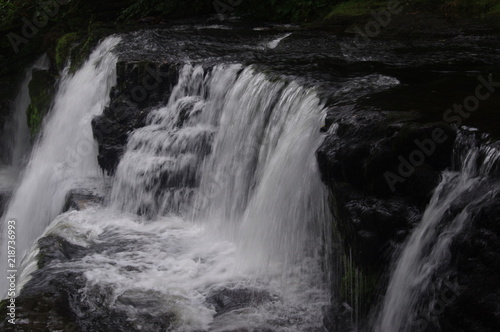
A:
x: 63, y: 48
x: 7, y: 10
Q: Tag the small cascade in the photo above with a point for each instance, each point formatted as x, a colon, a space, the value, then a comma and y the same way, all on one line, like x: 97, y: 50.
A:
x: 447, y: 215
x: 161, y: 167
x: 65, y: 151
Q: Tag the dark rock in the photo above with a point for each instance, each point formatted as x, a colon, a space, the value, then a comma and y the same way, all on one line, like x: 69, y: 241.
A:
x: 54, y: 300
x: 362, y: 145
x: 44, y: 303
x: 140, y: 87
x: 226, y: 300
x: 80, y: 199
x: 56, y: 248
x: 474, y: 304
x: 353, y: 162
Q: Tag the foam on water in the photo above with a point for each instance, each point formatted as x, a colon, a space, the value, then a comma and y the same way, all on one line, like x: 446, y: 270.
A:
x: 171, y: 267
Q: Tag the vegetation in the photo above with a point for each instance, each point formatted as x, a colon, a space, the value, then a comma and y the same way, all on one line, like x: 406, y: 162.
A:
x: 75, y: 14
x: 71, y: 28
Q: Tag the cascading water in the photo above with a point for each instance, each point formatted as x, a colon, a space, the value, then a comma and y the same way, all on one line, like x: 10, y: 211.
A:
x: 231, y: 209
x: 428, y: 248
x: 217, y: 219
x: 64, y: 153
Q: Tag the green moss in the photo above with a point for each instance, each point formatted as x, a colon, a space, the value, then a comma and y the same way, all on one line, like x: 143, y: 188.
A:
x: 356, y: 287
x: 95, y: 32
x: 3, y: 305
x: 41, y: 90
x: 63, y: 48
x: 494, y: 10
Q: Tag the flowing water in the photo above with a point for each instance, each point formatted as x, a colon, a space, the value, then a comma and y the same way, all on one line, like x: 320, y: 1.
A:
x: 64, y: 152
x: 216, y: 218
x: 217, y: 213
x: 448, y: 214
x: 230, y: 162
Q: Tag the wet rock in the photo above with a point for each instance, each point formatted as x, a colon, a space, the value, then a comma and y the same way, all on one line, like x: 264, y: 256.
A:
x: 361, y: 147
x: 44, y: 303
x: 56, y: 248
x: 80, y: 199
x: 354, y: 162
x: 472, y: 302
x: 141, y: 86
x: 58, y: 298
x: 226, y: 300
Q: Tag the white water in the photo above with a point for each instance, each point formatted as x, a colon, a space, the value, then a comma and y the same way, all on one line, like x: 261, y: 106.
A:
x: 16, y: 133
x: 428, y: 247
x: 64, y: 153
x: 264, y: 148
x: 274, y: 43
x: 230, y: 199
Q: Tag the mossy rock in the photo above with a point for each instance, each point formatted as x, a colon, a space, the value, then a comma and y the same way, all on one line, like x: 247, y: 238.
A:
x: 77, y: 46
x: 41, y: 89
x: 63, y: 48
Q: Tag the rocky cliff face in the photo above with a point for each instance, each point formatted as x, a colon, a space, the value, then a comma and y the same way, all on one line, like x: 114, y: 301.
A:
x: 380, y: 190
x: 374, y: 217
x: 359, y: 159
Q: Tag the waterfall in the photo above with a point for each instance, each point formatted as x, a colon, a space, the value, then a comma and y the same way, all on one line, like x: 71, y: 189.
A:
x: 259, y: 184
x: 428, y: 247
x: 18, y: 126
x: 16, y: 134
x: 216, y: 211
x: 64, y: 153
